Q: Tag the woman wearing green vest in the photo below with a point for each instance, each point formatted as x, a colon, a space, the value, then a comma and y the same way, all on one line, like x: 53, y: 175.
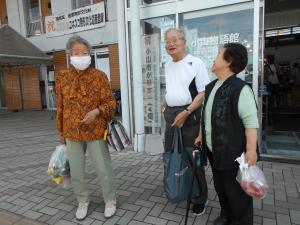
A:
x: 229, y: 128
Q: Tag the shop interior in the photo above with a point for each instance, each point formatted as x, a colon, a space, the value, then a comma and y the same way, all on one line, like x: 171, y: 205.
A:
x: 281, y: 105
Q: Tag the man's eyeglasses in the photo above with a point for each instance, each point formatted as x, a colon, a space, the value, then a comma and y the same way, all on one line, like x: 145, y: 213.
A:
x: 173, y: 41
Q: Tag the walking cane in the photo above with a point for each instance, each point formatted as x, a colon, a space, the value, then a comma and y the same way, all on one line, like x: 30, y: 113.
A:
x: 193, y: 162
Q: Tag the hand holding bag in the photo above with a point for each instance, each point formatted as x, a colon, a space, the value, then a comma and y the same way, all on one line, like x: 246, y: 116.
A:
x: 252, y: 179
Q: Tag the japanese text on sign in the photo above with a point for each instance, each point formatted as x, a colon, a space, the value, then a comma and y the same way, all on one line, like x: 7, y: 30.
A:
x: 151, y: 86
x: 89, y: 17
x: 216, y: 40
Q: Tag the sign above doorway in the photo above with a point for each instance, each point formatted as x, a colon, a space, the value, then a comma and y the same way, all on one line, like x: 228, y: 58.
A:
x: 86, y: 18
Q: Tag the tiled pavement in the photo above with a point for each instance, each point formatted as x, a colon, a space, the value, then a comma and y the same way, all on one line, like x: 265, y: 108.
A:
x: 9, y: 218
x: 28, y: 138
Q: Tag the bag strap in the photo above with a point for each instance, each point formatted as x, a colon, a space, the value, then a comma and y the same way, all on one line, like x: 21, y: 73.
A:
x: 180, y: 140
x: 177, y: 140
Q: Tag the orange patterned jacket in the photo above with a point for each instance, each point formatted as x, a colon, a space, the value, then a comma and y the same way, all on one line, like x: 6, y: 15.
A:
x: 77, y: 94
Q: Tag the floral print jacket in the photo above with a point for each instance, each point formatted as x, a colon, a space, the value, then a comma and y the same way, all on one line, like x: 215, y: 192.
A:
x: 78, y: 94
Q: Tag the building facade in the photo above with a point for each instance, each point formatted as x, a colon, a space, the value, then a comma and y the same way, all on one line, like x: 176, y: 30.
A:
x: 263, y: 26
x: 48, y: 24
x: 209, y: 25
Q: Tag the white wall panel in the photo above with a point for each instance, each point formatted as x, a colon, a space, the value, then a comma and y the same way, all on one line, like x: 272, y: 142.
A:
x: 16, y: 15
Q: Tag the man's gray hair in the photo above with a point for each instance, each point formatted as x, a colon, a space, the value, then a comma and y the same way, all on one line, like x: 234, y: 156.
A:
x: 77, y: 39
x: 181, y: 32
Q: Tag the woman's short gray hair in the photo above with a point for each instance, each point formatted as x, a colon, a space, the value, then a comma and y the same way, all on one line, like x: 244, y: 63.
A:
x: 77, y: 39
x: 181, y: 32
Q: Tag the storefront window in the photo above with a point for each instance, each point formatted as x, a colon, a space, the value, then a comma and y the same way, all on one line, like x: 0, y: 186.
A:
x: 154, y: 57
x: 33, y: 9
x: 80, y: 3
x: 34, y: 22
x: 207, y: 35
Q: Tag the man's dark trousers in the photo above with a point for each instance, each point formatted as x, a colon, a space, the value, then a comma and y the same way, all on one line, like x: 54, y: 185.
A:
x: 190, y: 131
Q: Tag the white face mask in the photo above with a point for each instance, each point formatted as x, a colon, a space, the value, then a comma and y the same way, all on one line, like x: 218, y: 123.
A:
x: 81, y: 62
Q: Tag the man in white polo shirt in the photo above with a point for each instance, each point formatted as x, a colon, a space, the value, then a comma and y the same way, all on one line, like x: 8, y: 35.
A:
x: 186, y: 78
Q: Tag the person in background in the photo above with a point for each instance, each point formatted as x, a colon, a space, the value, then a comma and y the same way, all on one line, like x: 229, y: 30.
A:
x: 296, y: 74
x: 85, y: 105
x: 228, y: 128
x: 273, y: 81
x: 186, y: 77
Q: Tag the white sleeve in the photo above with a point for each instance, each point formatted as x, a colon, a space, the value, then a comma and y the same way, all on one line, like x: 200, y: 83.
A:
x: 202, y: 78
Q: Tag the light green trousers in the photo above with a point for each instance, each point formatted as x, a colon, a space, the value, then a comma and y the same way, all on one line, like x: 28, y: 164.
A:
x: 98, y: 150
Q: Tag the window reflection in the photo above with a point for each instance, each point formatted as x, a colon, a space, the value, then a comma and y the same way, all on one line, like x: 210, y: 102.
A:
x: 80, y: 3
x: 33, y: 9
x: 154, y: 57
x: 207, y: 35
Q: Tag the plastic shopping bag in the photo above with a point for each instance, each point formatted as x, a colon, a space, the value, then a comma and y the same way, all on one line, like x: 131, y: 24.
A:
x: 252, y: 179
x: 59, y: 168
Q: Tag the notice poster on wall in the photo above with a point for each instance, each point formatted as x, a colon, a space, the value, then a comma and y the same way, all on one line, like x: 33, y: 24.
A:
x: 85, y: 18
x: 151, y: 81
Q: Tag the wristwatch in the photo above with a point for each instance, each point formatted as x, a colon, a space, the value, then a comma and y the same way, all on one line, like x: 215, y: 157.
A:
x: 188, y: 111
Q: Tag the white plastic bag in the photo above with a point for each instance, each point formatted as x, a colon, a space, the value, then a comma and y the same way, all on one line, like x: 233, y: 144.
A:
x: 252, y: 179
x: 59, y: 168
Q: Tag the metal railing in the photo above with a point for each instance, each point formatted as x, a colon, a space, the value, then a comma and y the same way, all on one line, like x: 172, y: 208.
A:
x: 35, y: 27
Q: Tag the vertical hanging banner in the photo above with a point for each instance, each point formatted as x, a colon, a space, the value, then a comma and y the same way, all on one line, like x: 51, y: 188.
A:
x: 85, y: 18
x: 151, y: 80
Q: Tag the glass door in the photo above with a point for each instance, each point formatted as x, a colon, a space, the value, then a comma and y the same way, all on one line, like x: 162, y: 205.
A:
x: 102, y: 62
x: 280, y: 100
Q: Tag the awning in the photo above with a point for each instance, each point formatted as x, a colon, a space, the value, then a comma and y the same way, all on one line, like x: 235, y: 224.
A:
x: 15, y: 50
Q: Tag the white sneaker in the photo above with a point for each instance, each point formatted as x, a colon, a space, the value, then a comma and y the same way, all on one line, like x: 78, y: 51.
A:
x: 82, y: 210
x: 110, y: 209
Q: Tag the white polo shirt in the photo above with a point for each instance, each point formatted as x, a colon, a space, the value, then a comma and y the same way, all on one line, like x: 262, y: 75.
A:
x: 179, y: 76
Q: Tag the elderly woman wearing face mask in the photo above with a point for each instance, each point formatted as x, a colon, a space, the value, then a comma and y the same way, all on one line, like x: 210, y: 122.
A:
x: 85, y: 104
